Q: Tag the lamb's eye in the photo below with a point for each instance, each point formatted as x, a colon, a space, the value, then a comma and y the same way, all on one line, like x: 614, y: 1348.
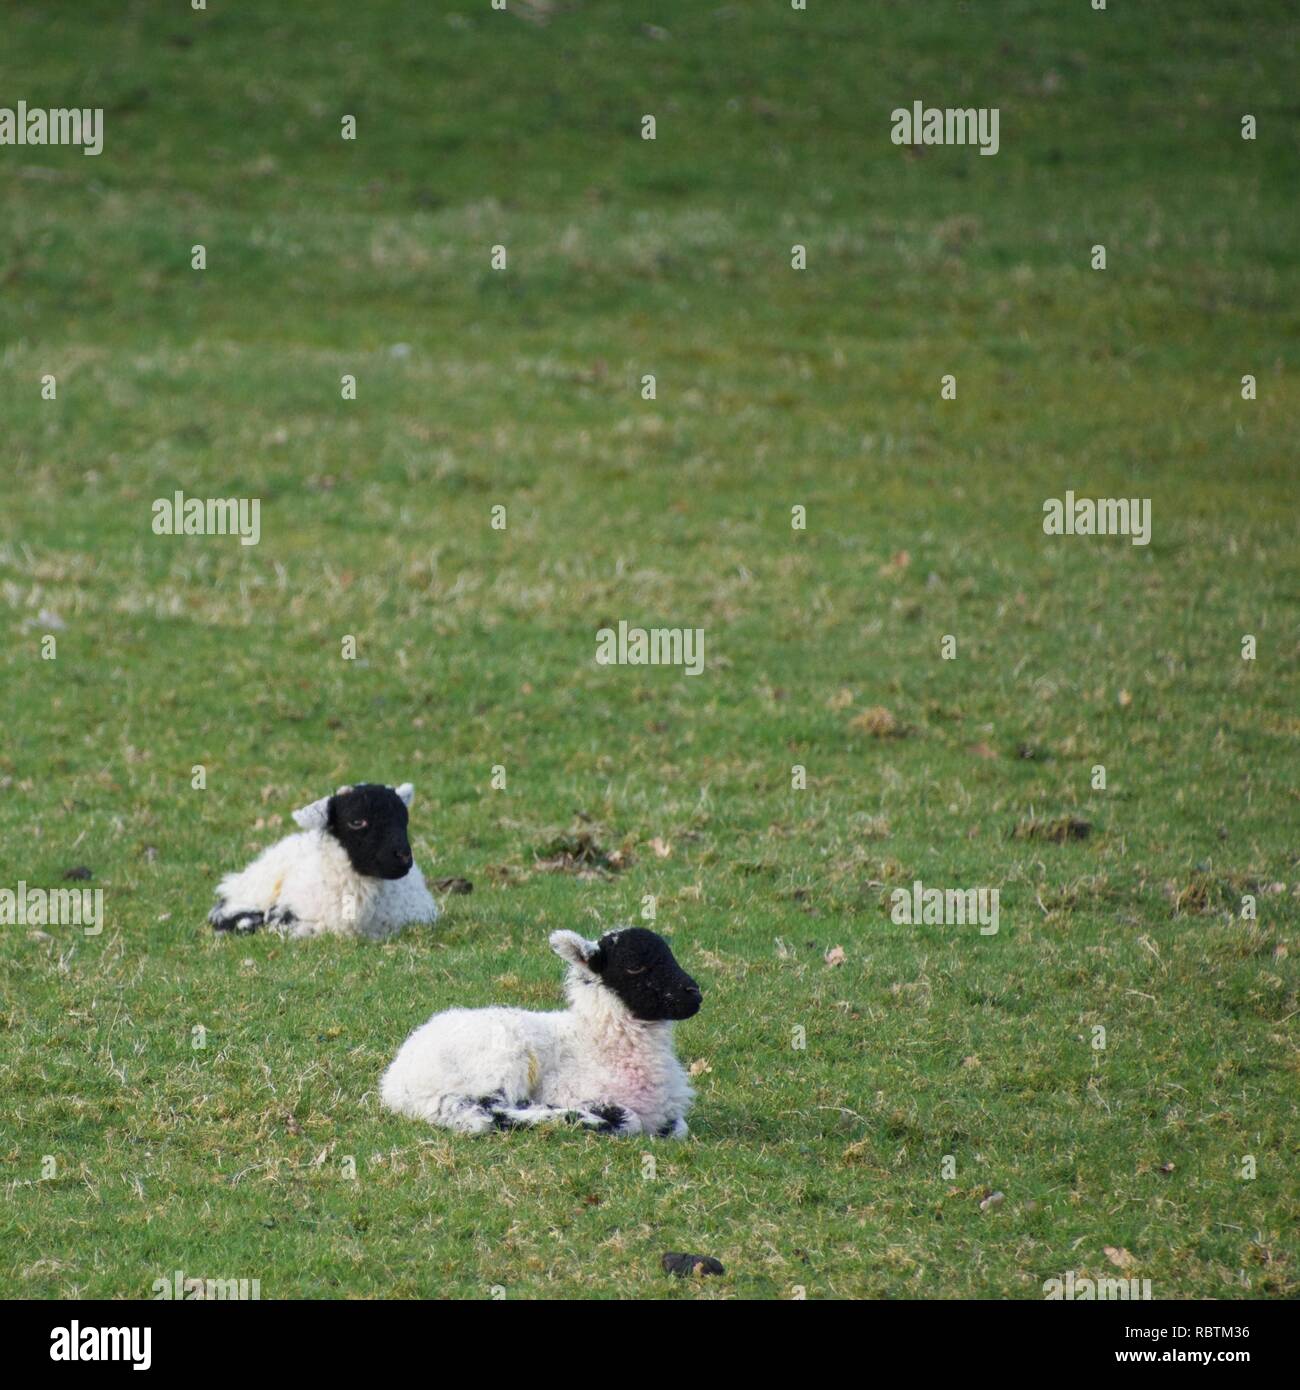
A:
x: 640, y: 970
x: 357, y: 824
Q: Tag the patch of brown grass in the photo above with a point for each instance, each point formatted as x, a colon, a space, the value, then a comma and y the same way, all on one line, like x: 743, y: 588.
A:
x: 1057, y: 829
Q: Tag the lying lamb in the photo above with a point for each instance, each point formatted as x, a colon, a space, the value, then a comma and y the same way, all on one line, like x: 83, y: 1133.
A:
x: 349, y: 873
x: 607, y: 1063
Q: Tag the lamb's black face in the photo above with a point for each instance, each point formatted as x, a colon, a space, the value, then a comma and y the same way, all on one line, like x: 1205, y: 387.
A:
x: 370, y: 823
x: 637, y: 965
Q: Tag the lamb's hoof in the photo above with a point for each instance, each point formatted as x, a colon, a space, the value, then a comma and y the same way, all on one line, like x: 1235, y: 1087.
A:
x: 608, y: 1119
x: 496, y: 1111
x: 580, y: 1119
x: 241, y: 923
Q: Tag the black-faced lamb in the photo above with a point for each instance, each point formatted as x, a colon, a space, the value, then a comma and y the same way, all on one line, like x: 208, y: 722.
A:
x: 349, y: 872
x: 606, y: 1063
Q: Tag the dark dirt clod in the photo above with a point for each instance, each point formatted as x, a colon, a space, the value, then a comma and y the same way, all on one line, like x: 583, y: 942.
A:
x: 1058, y: 830
x: 453, y: 885
x: 683, y: 1266
x: 579, y: 851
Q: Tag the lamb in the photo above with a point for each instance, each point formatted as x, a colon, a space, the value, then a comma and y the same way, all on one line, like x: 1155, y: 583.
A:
x: 606, y: 1063
x: 349, y: 873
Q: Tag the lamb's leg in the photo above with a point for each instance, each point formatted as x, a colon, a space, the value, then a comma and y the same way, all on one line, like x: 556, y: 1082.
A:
x: 240, y: 907
x: 478, y: 1114
x: 604, y: 1119
x: 286, y: 923
x: 464, y: 1114
x: 525, y: 1114
x: 600, y: 1116
x: 242, y: 920
x: 248, y: 899
x: 614, y: 1119
x: 672, y: 1129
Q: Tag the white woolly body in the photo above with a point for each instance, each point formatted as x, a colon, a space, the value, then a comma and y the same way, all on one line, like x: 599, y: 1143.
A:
x: 593, y: 1053
x: 310, y: 875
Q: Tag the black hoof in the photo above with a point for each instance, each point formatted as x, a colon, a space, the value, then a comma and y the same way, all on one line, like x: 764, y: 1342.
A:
x: 612, y: 1118
x: 241, y: 923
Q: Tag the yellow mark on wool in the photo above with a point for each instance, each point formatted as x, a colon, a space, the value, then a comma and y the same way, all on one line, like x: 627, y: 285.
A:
x: 534, y: 1069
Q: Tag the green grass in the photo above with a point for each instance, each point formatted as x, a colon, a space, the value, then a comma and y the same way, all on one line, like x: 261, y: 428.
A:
x: 821, y: 1167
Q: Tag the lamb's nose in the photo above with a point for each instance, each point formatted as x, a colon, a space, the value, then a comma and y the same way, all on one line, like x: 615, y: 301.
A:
x: 403, y: 856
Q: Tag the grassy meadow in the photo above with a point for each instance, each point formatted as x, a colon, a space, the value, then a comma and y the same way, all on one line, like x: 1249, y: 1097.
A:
x: 817, y: 1170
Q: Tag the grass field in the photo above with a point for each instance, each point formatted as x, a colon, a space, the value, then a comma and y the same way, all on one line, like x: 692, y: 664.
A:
x: 819, y: 1168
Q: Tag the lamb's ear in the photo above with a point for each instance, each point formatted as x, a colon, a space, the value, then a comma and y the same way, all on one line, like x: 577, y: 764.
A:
x: 407, y: 794
x: 314, y: 817
x: 577, y: 950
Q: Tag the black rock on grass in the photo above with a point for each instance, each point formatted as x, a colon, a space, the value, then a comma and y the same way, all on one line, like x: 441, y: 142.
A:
x: 684, y: 1266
